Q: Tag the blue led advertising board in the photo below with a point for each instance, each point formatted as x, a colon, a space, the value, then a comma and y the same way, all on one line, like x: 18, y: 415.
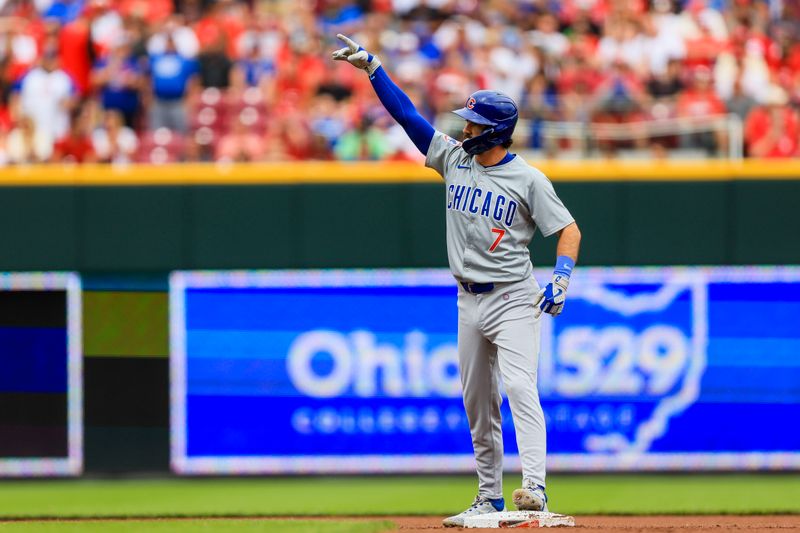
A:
x: 356, y: 371
x: 41, y: 428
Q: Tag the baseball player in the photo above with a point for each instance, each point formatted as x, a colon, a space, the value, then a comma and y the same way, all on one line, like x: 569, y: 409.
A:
x: 494, y: 203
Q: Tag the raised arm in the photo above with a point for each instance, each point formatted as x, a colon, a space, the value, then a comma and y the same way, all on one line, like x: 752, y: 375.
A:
x: 391, y: 96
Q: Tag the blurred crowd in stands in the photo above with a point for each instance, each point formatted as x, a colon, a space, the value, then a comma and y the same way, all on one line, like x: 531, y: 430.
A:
x: 199, y: 80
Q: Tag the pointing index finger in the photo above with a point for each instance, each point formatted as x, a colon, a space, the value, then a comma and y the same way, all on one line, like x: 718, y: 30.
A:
x: 348, y: 41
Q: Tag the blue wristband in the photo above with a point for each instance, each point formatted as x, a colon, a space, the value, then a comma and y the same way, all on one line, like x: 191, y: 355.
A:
x: 564, y: 266
x: 369, y: 56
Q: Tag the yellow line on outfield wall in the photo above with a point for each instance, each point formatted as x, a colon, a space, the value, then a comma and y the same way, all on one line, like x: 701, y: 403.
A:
x: 382, y: 172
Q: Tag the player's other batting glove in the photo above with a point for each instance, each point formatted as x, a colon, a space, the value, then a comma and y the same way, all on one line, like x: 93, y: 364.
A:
x: 551, y: 299
x: 355, y: 54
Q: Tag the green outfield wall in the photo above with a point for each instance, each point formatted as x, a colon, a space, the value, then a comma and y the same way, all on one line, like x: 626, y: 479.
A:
x: 124, y: 229
x: 207, y: 217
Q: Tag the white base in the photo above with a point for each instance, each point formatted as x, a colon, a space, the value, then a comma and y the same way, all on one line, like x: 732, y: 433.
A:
x: 518, y: 519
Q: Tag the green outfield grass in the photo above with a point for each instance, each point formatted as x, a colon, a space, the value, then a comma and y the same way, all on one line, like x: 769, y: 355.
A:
x: 381, y: 496
x: 200, y: 526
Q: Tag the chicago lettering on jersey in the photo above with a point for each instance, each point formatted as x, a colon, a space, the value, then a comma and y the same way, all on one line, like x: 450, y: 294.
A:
x: 477, y: 201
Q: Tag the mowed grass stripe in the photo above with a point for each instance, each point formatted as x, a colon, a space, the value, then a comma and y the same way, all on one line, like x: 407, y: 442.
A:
x: 187, y: 526
x: 382, y: 496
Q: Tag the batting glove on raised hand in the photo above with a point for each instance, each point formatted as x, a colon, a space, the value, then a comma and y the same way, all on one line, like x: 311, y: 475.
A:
x: 355, y: 54
x: 551, y: 299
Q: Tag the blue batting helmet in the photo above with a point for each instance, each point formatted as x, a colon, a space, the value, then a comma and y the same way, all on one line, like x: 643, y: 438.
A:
x: 492, y: 109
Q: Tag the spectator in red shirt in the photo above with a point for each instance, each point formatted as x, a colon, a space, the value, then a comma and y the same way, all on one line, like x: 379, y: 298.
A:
x: 76, y: 146
x: 240, y: 144
x: 76, y: 51
x: 153, y: 11
x: 793, y: 58
x: 583, y: 36
x: 619, y: 97
x: 293, y: 134
x: 224, y: 17
x: 300, y: 70
x: 700, y: 101
x: 620, y: 94
x: 18, y: 47
x: 704, y: 49
x: 772, y: 130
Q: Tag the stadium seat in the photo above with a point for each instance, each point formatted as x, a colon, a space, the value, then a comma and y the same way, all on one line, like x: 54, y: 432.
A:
x: 161, y: 146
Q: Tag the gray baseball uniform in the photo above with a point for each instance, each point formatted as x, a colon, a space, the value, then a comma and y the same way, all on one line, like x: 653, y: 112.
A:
x: 492, y: 214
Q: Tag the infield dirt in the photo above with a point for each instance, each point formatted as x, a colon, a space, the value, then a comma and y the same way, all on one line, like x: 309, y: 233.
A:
x: 635, y: 524
x: 411, y: 524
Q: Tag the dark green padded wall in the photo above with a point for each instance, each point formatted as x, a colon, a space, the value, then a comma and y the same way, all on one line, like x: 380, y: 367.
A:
x: 158, y: 229
x: 39, y: 228
x: 765, y: 222
x: 130, y: 228
x: 219, y: 216
x: 668, y: 224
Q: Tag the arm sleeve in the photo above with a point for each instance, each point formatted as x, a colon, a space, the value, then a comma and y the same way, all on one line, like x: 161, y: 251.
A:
x: 402, y: 110
x: 547, y: 209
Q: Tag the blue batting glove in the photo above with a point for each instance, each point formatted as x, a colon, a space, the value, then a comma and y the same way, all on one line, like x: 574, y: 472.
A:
x: 550, y: 300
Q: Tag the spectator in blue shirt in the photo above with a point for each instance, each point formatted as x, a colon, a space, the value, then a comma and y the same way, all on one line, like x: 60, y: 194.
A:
x: 118, y: 78
x: 64, y: 11
x: 255, y: 67
x: 172, y: 76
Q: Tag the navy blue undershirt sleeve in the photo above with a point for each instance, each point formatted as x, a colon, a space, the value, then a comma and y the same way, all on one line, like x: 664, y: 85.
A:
x: 402, y: 110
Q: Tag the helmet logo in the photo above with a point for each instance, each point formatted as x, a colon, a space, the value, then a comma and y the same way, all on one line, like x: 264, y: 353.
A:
x: 470, y: 103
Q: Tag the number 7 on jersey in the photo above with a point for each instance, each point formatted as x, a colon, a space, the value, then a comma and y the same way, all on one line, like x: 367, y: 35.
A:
x: 500, y: 233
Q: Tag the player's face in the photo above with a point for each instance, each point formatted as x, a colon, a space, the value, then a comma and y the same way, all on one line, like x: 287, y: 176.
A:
x: 472, y: 130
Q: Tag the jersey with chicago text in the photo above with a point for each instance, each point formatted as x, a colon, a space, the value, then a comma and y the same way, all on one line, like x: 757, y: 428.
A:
x: 493, y: 212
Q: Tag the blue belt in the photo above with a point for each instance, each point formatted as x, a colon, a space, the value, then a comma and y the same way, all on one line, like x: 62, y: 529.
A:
x: 477, y: 288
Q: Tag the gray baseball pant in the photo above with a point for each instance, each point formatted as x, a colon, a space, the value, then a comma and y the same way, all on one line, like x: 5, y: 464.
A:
x: 498, y: 336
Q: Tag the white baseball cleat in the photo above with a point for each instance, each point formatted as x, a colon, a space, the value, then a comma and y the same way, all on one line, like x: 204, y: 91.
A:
x: 481, y: 505
x: 531, y: 497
